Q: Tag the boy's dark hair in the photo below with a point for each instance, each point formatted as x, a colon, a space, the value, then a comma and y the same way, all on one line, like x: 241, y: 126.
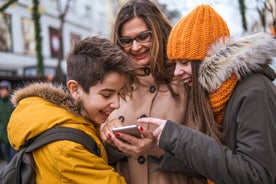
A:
x: 91, y: 59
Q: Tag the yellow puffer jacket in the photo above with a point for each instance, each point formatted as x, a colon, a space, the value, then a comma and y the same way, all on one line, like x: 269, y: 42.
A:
x: 42, y: 106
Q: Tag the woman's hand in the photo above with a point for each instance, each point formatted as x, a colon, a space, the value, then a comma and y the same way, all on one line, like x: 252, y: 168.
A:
x: 106, y: 130
x: 137, y: 146
x: 155, y: 121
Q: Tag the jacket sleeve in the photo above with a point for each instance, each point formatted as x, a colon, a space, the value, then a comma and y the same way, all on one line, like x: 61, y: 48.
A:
x: 168, y: 162
x: 253, y: 158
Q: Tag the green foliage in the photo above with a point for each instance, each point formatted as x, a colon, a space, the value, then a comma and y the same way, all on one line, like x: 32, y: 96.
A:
x: 243, y: 14
x: 38, y: 38
x: 6, y: 5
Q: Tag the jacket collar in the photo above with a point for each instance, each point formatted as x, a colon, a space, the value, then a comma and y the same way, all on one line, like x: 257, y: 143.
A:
x: 239, y: 55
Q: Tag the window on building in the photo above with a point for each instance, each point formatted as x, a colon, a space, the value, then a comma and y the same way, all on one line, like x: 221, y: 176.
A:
x: 55, y: 42
x: 5, y: 33
x: 28, y: 35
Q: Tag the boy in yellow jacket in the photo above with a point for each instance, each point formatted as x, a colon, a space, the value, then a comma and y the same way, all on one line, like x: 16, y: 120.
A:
x: 98, y: 75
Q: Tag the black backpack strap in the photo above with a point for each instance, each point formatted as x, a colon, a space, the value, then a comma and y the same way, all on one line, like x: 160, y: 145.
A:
x: 64, y: 133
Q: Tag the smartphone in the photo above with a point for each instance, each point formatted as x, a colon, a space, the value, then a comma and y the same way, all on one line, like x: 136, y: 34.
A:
x: 129, y: 129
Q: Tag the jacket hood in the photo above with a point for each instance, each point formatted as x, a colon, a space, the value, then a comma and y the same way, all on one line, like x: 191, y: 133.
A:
x: 239, y: 55
x: 40, y: 106
x: 56, y: 94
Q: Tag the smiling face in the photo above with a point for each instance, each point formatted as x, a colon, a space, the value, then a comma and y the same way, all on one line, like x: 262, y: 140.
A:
x: 4, y: 92
x: 183, y: 71
x: 102, y: 99
x: 139, y: 51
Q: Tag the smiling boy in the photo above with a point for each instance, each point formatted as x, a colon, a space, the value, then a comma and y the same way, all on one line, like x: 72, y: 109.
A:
x: 98, y: 75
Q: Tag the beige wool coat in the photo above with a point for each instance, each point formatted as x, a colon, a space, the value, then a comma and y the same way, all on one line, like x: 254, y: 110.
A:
x: 148, y: 100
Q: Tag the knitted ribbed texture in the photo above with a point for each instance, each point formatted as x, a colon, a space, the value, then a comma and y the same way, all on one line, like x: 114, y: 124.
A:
x: 194, y: 33
x: 210, y: 182
x: 220, y: 97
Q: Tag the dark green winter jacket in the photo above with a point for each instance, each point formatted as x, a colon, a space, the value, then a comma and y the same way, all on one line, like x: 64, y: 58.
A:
x: 6, y: 108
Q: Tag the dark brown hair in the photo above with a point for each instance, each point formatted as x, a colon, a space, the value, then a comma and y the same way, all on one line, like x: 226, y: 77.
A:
x: 161, y: 69
x: 91, y: 59
x: 198, y: 108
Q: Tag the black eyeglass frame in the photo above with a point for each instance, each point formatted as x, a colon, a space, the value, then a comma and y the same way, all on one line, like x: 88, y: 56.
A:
x: 134, y: 38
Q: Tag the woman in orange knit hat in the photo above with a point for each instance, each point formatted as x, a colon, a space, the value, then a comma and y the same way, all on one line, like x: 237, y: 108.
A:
x: 231, y: 101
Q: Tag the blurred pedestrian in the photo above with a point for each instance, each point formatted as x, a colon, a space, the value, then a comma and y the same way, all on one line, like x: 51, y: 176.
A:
x: 6, y: 108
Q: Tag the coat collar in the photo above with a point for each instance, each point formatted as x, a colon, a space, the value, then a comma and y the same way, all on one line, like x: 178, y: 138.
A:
x: 239, y: 55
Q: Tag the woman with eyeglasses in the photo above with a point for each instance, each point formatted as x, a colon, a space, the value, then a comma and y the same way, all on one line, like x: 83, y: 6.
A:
x: 142, y: 31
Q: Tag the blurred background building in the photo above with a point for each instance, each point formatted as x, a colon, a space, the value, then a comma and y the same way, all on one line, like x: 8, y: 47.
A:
x: 62, y: 22
x: 35, y: 35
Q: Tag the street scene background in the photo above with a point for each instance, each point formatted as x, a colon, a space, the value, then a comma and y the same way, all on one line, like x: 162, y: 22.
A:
x: 36, y: 35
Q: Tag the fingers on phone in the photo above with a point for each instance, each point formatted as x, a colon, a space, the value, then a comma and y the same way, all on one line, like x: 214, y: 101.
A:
x: 140, y: 128
x: 117, y: 134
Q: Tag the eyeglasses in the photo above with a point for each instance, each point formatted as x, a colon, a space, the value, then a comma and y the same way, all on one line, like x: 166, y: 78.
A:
x: 142, y: 37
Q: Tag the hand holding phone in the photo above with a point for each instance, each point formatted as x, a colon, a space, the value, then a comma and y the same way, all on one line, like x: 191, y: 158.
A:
x: 129, y: 129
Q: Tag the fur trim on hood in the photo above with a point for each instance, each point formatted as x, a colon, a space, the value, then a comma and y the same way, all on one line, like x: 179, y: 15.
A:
x: 56, y: 94
x: 239, y: 55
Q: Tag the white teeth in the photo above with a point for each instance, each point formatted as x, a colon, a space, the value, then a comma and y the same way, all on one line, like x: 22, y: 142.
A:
x: 106, y: 112
x: 187, y: 80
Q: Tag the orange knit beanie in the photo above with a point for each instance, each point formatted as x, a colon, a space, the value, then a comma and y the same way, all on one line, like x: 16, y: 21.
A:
x: 194, y: 33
